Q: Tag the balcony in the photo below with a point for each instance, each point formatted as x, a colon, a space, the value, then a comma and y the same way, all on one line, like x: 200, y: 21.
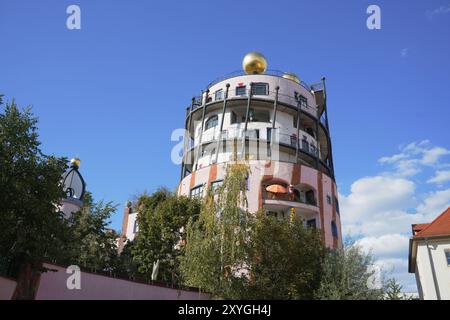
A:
x: 291, y: 197
x: 262, y: 132
x: 268, y: 95
x: 275, y: 73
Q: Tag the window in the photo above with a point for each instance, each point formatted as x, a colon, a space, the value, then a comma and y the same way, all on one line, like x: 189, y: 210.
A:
x: 240, y: 91
x: 313, y: 149
x: 311, y: 224
x: 447, y: 255
x: 135, y: 226
x: 310, y: 131
x: 334, y: 229
x: 294, y: 121
x: 218, y: 95
x: 328, y: 199
x: 293, y: 140
x: 336, y: 202
x: 212, y: 122
x: 260, y: 89
x: 305, y: 145
x: 303, y: 101
x: 258, y: 116
x: 269, y: 134
x: 233, y: 117
x: 216, y: 185
x: 309, y: 197
x: 197, y: 192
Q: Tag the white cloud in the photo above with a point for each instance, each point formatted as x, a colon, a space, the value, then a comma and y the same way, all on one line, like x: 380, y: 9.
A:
x: 444, y: 9
x: 380, y: 209
x: 404, y: 52
x: 434, y: 204
x: 387, y: 245
x: 413, y: 157
x: 440, y: 177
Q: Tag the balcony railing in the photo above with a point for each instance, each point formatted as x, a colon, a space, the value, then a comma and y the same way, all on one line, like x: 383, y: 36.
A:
x: 270, y: 95
x: 276, y: 73
x: 288, y: 197
x: 261, y: 134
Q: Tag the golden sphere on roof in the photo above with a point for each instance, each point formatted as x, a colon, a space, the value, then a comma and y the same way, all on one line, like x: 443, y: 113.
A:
x: 254, y: 63
x: 291, y: 76
x: 75, y: 162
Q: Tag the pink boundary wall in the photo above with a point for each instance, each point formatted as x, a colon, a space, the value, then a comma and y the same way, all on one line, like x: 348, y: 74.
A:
x: 53, y: 286
x: 98, y: 287
x: 7, y: 287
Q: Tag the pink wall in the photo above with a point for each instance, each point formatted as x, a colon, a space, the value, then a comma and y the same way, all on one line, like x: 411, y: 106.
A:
x: 97, y: 287
x: 7, y: 287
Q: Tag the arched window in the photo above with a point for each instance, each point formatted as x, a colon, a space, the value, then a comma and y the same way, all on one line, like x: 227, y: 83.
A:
x: 334, y: 229
x: 212, y: 122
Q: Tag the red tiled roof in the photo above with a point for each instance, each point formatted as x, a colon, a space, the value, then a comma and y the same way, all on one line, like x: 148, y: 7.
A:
x: 419, y: 227
x: 437, y: 228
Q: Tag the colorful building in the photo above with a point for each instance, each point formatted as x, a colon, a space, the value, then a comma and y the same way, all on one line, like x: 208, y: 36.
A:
x: 277, y: 124
x: 429, y: 257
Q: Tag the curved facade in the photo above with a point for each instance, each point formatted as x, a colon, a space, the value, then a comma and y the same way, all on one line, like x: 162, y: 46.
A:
x: 277, y: 124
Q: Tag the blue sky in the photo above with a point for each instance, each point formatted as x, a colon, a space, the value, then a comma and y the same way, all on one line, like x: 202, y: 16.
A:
x: 113, y: 92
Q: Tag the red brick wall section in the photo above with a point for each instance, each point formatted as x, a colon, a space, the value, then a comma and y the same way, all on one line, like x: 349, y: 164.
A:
x: 320, y: 203
x: 212, y: 174
x: 192, y: 182
x: 296, y: 174
x: 333, y: 193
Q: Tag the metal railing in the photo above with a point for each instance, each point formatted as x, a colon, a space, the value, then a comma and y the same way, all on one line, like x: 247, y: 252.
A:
x: 263, y: 134
x: 238, y: 73
x: 287, y: 197
x: 270, y: 95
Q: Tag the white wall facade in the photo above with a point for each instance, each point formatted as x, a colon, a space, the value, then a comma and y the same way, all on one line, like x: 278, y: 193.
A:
x: 428, y: 257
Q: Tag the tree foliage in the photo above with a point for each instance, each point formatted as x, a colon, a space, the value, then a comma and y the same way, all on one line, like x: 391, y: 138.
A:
x: 92, y: 243
x: 162, y: 219
x: 349, y: 274
x: 286, y: 258
x: 216, y: 252
x: 30, y: 191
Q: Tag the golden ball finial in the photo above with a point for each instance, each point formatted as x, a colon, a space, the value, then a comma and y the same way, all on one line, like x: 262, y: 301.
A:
x: 254, y: 63
x: 75, y: 162
x: 291, y: 76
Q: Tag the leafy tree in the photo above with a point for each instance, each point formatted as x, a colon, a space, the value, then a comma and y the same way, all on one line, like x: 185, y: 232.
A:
x: 216, y: 252
x: 286, y: 259
x: 393, y: 291
x: 125, y: 265
x: 162, y: 220
x: 30, y: 191
x: 346, y: 275
x: 93, y: 243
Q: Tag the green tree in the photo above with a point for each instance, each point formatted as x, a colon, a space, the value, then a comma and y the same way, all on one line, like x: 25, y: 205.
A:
x: 346, y: 275
x: 93, y: 243
x: 286, y: 259
x: 162, y: 220
x: 30, y: 191
x: 393, y: 291
x: 216, y: 252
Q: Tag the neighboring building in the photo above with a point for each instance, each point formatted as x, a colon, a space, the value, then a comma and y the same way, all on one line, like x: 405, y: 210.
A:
x: 279, y: 126
x: 129, y: 225
x: 429, y: 257
x: 74, y: 187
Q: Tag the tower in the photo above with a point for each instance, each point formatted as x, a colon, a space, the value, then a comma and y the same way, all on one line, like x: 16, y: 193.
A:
x: 279, y: 125
x: 74, y: 187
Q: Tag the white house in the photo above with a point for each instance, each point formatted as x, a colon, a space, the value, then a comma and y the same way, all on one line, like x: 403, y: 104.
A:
x: 429, y: 257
